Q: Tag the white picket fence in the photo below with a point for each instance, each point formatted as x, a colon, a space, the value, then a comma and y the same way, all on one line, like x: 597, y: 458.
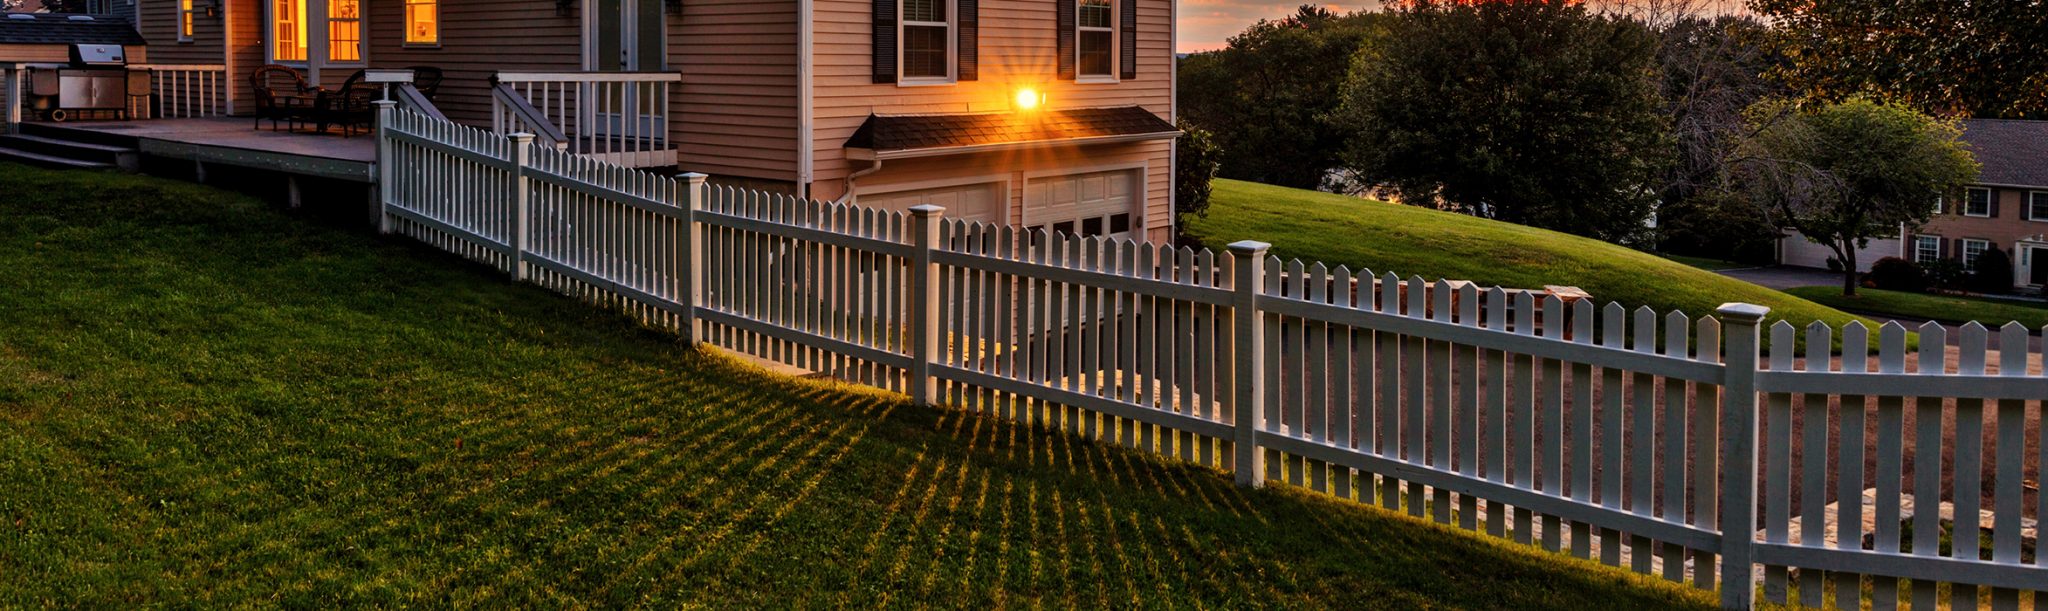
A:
x: 1629, y: 437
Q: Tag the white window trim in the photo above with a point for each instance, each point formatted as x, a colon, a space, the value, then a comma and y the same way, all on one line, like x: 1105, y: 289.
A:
x: 362, y: 36
x: 1115, y: 38
x: 2029, y: 203
x: 1989, y: 205
x: 1970, y: 261
x: 2024, y: 261
x: 1916, y: 247
x: 952, y: 25
x: 316, y: 38
x: 405, y: 20
x: 1140, y: 192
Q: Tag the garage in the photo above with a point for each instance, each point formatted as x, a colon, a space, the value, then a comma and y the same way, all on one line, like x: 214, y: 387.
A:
x: 982, y: 202
x: 1795, y: 249
x: 1087, y: 204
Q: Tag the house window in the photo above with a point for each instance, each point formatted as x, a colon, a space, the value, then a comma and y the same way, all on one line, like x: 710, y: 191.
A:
x: 288, y: 24
x: 1977, y: 202
x: 927, y: 40
x: 1097, y: 35
x: 423, y: 22
x: 345, y: 30
x: 186, y: 17
x: 1972, y: 248
x: 1926, y: 249
x: 2037, y: 205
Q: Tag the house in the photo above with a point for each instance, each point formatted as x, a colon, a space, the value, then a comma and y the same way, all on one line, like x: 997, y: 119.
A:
x: 1046, y: 114
x: 2007, y: 207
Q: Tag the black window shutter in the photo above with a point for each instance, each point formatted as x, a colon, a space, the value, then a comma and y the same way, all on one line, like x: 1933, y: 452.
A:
x: 970, y: 40
x: 1065, y: 47
x: 885, y: 41
x: 1128, y: 46
x: 1993, y: 195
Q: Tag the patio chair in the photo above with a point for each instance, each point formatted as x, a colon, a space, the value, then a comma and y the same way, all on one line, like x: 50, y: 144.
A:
x: 427, y: 79
x: 278, y: 90
x: 350, y: 106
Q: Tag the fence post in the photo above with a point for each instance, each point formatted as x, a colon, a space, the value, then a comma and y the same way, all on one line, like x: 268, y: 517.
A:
x: 522, y: 196
x: 1740, y: 328
x: 691, y: 236
x: 924, y: 301
x: 10, y: 94
x: 1248, y: 353
x: 386, y: 112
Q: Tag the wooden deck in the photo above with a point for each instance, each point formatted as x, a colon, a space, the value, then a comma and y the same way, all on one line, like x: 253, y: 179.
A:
x: 234, y: 141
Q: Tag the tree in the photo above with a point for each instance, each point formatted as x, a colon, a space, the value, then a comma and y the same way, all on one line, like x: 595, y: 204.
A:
x: 1267, y: 96
x: 1992, y: 271
x: 1538, y: 112
x: 1196, y: 158
x: 1844, y: 173
x: 1712, y: 72
x: 1982, y: 58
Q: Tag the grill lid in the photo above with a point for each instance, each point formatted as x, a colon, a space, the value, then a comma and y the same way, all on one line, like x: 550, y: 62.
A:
x: 98, y: 55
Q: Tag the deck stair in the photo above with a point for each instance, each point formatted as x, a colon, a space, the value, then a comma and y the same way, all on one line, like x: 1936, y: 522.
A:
x: 62, y: 147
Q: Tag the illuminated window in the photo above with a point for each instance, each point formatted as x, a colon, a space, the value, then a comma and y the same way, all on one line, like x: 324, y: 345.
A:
x: 186, y: 17
x: 927, y: 39
x: 422, y: 22
x: 288, y: 22
x: 1097, y: 34
x: 345, y: 30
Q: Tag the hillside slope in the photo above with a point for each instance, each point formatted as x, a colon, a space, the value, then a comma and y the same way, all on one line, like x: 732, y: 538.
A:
x: 1337, y: 229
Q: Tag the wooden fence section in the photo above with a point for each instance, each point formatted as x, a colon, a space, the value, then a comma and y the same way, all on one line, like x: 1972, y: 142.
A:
x: 1674, y: 446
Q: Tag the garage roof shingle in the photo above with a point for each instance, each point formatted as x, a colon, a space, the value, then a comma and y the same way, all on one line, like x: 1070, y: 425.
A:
x: 909, y: 132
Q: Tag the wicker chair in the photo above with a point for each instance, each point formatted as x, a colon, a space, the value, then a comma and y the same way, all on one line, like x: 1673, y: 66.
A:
x: 427, y: 79
x: 273, y: 84
x: 350, y: 106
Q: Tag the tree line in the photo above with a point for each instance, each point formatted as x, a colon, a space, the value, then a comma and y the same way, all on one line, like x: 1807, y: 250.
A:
x: 1650, y: 123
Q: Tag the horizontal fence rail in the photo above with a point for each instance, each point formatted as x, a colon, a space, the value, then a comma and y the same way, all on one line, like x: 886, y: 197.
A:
x: 1673, y: 446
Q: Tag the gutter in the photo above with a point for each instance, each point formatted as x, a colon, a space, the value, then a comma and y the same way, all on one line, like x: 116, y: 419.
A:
x: 847, y: 197
x: 878, y: 155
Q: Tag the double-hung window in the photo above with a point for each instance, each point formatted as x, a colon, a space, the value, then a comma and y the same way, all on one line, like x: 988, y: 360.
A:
x: 2037, y: 205
x: 423, y: 22
x: 1972, y: 248
x: 1095, y: 25
x: 1977, y: 202
x: 345, y: 30
x: 288, y: 29
x: 187, y: 18
x: 927, y: 41
x: 1926, y: 249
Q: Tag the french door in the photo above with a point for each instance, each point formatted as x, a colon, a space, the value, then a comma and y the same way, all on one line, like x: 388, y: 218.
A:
x: 625, y: 36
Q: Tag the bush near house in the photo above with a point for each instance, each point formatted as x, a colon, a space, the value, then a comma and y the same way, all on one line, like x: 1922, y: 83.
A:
x: 1896, y: 274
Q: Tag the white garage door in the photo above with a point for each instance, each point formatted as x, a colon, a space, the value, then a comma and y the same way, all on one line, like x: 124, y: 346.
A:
x: 1096, y: 203
x: 1796, y: 250
x: 978, y: 202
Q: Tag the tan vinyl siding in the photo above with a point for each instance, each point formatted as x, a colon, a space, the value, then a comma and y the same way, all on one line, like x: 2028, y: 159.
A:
x: 736, y: 114
x: 478, y: 39
x: 157, y: 21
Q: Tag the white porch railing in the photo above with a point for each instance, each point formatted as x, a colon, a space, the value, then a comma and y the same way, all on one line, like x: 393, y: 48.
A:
x: 183, y: 91
x: 1675, y: 446
x: 618, y: 117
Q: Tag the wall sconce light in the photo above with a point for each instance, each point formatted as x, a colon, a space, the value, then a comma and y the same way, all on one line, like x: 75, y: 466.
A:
x: 1027, y: 99
x: 211, y: 8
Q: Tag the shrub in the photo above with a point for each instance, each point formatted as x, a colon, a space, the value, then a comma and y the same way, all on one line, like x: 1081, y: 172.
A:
x: 1994, y: 272
x: 1198, y: 158
x: 1896, y: 274
x: 1946, y: 274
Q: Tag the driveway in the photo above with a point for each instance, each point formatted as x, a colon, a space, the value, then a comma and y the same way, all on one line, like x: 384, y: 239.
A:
x: 1784, y: 277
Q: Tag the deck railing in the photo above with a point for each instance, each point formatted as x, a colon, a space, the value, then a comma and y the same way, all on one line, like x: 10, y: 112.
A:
x: 1674, y: 446
x: 619, y: 117
x: 179, y: 91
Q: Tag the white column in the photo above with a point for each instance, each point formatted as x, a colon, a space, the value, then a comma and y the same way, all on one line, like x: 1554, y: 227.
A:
x: 1740, y: 323
x: 1248, y: 350
x: 924, y: 302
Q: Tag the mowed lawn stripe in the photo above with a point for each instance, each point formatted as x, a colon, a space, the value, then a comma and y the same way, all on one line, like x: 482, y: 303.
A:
x: 208, y: 402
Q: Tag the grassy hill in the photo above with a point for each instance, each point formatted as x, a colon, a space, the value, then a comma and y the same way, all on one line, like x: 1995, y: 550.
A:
x: 1408, y: 240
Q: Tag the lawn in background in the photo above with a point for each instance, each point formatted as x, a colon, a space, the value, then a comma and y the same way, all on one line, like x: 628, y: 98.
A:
x: 205, y: 402
x: 1712, y: 265
x: 1993, y: 313
x: 1409, y: 240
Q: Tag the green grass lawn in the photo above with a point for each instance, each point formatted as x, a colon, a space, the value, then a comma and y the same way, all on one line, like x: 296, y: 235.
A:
x: 1992, y: 313
x: 205, y: 402
x: 1408, y: 240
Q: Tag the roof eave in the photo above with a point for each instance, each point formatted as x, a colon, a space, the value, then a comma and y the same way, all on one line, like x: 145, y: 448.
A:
x: 865, y: 154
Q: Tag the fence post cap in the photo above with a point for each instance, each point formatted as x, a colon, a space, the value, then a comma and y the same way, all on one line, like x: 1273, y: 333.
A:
x: 1249, y: 246
x: 1742, y: 312
x: 384, y: 103
x: 928, y: 210
x: 693, y: 177
x: 520, y: 137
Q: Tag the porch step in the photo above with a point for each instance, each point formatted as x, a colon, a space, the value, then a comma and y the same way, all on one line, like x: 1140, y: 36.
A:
x: 52, y: 161
x: 123, y: 157
x: 65, y: 132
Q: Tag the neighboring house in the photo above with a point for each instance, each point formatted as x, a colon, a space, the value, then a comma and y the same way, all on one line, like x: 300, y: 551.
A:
x: 1055, y: 114
x: 2007, y: 207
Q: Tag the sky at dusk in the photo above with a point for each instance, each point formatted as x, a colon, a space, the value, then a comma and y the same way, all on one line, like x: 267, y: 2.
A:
x: 1206, y: 24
